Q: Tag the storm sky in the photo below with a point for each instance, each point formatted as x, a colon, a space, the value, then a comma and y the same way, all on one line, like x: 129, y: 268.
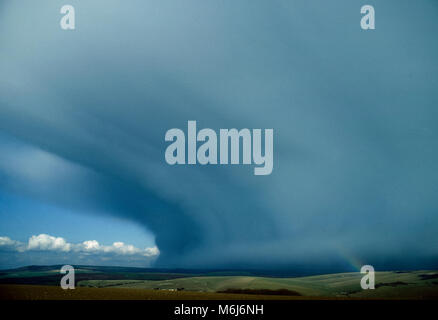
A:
x: 83, y: 115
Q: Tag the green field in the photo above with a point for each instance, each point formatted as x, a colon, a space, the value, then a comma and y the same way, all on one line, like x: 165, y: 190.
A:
x: 416, y: 284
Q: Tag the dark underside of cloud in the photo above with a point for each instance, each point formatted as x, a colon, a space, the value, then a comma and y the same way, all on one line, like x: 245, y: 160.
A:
x: 354, y: 115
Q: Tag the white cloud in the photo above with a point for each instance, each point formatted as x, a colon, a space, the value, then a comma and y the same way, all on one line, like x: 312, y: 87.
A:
x: 91, y: 245
x: 45, y: 242
x: 153, y: 251
x: 8, y: 243
x: 119, y: 248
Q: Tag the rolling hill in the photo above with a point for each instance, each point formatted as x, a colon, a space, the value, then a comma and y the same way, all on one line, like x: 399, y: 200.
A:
x: 159, y: 283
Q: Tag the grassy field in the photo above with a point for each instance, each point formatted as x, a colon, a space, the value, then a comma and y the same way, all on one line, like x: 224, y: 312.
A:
x: 417, y: 285
x: 131, y: 283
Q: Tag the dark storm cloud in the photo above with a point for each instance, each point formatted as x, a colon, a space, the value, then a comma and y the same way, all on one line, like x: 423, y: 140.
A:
x: 353, y: 112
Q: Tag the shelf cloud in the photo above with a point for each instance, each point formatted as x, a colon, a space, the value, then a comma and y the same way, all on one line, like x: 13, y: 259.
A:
x: 83, y: 117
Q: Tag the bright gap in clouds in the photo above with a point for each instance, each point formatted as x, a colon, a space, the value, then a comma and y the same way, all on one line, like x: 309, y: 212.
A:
x: 45, y: 249
x: 22, y: 217
x: 29, y: 220
x: 36, y: 233
x: 45, y: 242
x: 33, y: 232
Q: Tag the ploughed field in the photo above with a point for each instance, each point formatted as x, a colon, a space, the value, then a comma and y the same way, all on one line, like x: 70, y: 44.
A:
x: 36, y: 292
